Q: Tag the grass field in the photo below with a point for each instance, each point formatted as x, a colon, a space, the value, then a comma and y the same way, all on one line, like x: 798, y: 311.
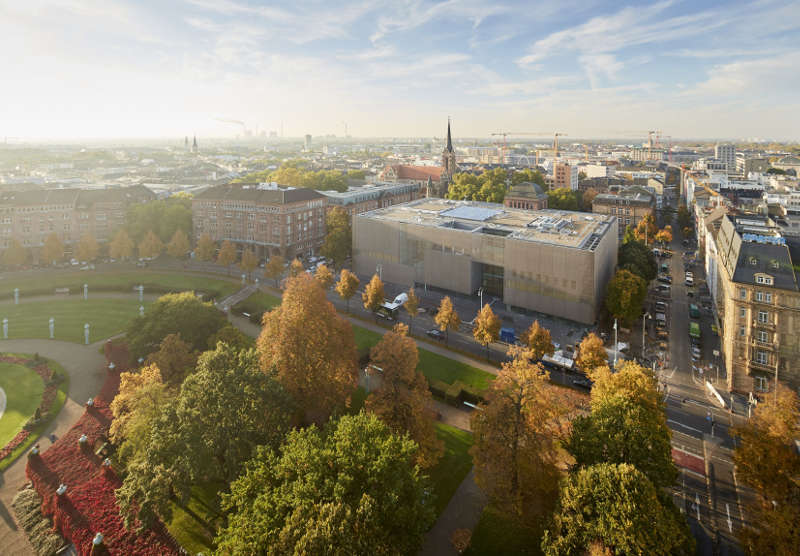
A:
x: 454, y: 465
x: 23, y: 388
x: 45, y: 283
x: 185, y: 526
x: 106, y: 317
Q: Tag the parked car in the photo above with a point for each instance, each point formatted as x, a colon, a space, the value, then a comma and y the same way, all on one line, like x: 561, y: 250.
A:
x: 436, y: 334
x: 665, y: 278
x: 664, y: 288
x: 583, y: 383
x: 661, y: 306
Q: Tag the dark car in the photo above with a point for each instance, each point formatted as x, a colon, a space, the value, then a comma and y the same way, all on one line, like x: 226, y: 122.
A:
x: 665, y: 278
x: 583, y: 383
x: 435, y: 333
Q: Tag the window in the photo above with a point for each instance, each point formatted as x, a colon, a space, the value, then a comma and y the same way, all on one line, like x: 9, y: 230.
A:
x: 742, y: 293
x: 762, y: 336
x: 753, y: 261
x: 762, y: 357
x: 759, y: 296
x: 768, y: 297
x: 760, y: 383
x: 742, y: 331
x: 763, y: 317
x: 742, y: 313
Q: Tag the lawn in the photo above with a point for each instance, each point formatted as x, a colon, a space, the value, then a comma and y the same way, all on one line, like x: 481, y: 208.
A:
x: 23, y: 388
x: 106, y: 318
x: 185, y: 525
x: 454, y: 465
x: 496, y: 534
x: 257, y: 304
x: 45, y: 283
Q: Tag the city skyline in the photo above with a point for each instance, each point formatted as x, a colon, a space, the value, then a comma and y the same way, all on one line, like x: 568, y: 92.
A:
x: 591, y: 69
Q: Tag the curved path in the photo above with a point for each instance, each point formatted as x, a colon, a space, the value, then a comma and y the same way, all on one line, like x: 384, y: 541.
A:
x: 86, y: 368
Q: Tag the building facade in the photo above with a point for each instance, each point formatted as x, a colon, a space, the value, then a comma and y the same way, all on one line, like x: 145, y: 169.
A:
x: 358, y: 199
x: 555, y: 262
x: 629, y: 206
x: 565, y: 176
x: 758, y: 303
x: 267, y: 218
x: 526, y: 195
x: 726, y: 153
x: 31, y: 216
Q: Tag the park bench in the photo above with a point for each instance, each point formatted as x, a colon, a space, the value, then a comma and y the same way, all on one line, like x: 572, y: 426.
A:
x: 62, y: 291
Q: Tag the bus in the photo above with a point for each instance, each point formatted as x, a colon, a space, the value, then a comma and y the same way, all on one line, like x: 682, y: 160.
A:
x: 694, y: 330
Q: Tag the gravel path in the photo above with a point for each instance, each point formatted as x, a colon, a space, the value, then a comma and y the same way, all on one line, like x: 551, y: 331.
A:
x: 86, y: 369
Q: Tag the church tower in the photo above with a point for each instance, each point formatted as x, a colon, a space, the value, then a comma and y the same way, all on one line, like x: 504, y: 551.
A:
x: 449, y: 167
x: 194, y: 144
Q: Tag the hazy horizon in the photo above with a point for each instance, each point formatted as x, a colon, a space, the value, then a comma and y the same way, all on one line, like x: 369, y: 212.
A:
x: 118, y: 70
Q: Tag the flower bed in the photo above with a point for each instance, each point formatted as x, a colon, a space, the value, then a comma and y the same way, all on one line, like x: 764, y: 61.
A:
x: 48, y: 397
x: 89, y: 505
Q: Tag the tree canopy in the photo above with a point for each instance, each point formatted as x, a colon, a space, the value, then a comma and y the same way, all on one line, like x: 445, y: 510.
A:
x: 636, y: 257
x: 121, y: 246
x: 206, y: 248
x: 625, y: 296
x: 447, y: 318
x: 564, y: 199
x: 88, y: 248
x: 174, y: 359
x: 293, y: 174
x: 310, y: 348
x: 15, y: 254
x: 338, y: 245
x: 163, y: 217
x: 592, y: 354
x: 174, y: 313
x: 52, y: 250
x: 179, y: 244
x: 151, y: 246
x: 373, y: 296
x: 347, y: 286
x: 538, y: 342
x: 324, y: 276
x: 350, y: 488
x: 227, y: 255
x: 274, y: 267
x: 487, y: 327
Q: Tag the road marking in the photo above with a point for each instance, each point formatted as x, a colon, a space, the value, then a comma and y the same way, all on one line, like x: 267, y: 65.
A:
x: 730, y: 523
x: 684, y: 426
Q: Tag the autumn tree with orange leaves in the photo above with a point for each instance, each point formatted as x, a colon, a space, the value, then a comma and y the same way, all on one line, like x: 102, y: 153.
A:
x: 310, y: 348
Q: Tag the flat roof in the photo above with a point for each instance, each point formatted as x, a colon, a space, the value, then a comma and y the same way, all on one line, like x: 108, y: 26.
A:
x: 579, y: 230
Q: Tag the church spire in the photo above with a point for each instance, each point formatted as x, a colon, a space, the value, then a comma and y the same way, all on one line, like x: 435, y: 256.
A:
x: 449, y: 147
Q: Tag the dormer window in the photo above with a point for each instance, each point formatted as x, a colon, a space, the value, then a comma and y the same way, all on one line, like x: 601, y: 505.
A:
x: 753, y: 261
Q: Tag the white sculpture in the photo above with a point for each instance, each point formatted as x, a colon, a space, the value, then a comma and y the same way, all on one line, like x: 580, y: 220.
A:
x: 52, y: 325
x: 86, y: 333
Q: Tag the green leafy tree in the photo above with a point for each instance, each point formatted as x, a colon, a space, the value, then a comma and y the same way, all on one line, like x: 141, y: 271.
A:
x: 121, y: 246
x: 87, y: 248
x: 206, y: 248
x: 639, y: 259
x: 684, y: 218
x: 487, y: 327
x: 224, y: 411
x: 179, y: 244
x: 162, y: 217
x: 447, y: 318
x: 274, y: 268
x: 516, y: 441
x: 625, y: 296
x: 174, y: 359
x: 338, y: 245
x: 174, y: 313
x: 233, y: 337
x: 227, y: 255
x: 151, y: 246
x: 402, y: 400
x: 347, y: 286
x: 52, y: 250
x: 767, y: 461
x: 528, y: 175
x: 563, y: 199
x: 249, y: 262
x: 615, y: 509
x: 351, y: 488
x: 310, y: 348
x: 15, y: 254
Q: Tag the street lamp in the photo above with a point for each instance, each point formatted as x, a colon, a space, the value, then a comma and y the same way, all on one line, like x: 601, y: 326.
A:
x: 480, y: 294
x: 616, y: 343
x: 644, y: 316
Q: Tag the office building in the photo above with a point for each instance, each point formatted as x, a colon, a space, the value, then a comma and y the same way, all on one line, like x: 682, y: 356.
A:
x: 746, y: 164
x: 726, y: 153
x: 555, y: 262
x: 363, y: 198
x: 269, y: 218
x: 758, y: 303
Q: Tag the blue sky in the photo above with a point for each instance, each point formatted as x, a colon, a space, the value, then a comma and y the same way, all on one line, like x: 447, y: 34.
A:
x: 145, y: 68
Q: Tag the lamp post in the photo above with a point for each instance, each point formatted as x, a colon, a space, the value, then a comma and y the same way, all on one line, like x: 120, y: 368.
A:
x: 480, y: 294
x: 644, y: 317
x: 616, y: 343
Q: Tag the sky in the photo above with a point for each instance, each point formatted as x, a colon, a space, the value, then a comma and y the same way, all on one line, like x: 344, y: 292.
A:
x: 164, y: 68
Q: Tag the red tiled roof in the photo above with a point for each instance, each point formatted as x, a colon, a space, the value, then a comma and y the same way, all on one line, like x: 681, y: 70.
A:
x: 405, y: 172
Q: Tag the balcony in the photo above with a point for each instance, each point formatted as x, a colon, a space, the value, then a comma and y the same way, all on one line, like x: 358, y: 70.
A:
x: 762, y: 367
x: 769, y: 325
x: 770, y: 345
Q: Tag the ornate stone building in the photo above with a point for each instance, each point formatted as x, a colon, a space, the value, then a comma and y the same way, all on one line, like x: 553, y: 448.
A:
x: 526, y: 195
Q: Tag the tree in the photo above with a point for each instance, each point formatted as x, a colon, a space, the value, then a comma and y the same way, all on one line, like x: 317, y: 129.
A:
x: 121, y: 246
x: 516, y: 441
x: 141, y: 395
x: 224, y: 411
x: 412, y: 306
x: 206, y: 248
x: 15, y: 254
x: 87, y: 248
x: 592, y: 355
x: 487, y: 327
x: 687, y: 232
x: 646, y: 229
x: 766, y: 460
x: 684, y: 218
x: 174, y: 358
x: 625, y: 296
x: 151, y: 246
x: 563, y: 199
x: 639, y: 259
x: 310, y: 348
x: 402, y: 399
x: 274, y: 268
x: 588, y: 198
x: 617, y: 508
x: 296, y: 268
x: 627, y: 425
x: 163, y: 217
x: 664, y: 236
x: 528, y: 175
x: 338, y: 244
x: 174, y: 313
x: 52, y: 250
x: 227, y: 255
x: 179, y: 244
x: 233, y: 337
x: 447, y: 318
x: 349, y: 489
x: 324, y: 276
x: 537, y: 340
x: 347, y: 286
x: 373, y: 296
x: 249, y: 262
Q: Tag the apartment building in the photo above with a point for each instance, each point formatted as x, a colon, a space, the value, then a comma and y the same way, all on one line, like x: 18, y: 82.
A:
x: 551, y: 261
x: 269, y: 218
x: 758, y: 303
x: 628, y: 205
x: 565, y: 176
x: 31, y: 216
x: 726, y: 153
x: 363, y: 198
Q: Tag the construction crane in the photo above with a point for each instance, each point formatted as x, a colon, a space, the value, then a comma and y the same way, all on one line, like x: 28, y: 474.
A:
x: 556, y: 135
x: 505, y: 134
